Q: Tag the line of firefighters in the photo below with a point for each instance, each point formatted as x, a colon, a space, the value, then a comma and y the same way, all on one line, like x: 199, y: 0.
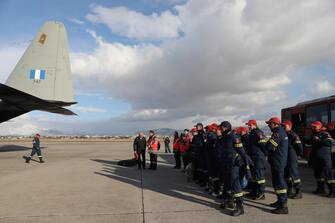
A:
x: 229, y: 160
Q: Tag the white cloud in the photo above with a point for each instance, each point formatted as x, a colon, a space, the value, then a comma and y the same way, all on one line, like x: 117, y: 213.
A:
x: 113, y: 59
x: 9, y: 57
x: 234, y: 59
x: 135, y: 25
x: 323, y: 87
x: 144, y: 115
x: 88, y: 109
x: 22, y: 125
x: 77, y: 21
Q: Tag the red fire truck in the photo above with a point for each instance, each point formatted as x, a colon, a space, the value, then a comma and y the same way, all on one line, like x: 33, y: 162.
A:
x: 304, y: 113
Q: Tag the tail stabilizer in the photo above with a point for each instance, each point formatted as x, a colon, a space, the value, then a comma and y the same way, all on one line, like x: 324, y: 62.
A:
x: 44, y: 69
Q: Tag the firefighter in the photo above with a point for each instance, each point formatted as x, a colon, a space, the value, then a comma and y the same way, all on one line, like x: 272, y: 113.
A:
x: 176, y: 150
x: 36, y: 149
x: 139, y: 146
x: 277, y: 147
x: 295, y: 150
x: 321, y: 159
x: 257, y: 152
x: 212, y: 159
x: 331, y: 130
x: 198, y: 143
x: 232, y: 156
x: 244, y: 172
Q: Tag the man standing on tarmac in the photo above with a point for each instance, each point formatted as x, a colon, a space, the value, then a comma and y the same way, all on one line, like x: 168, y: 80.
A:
x: 36, y: 149
x: 277, y: 148
x: 257, y: 152
x: 139, y: 146
x: 153, y: 147
x: 232, y: 158
x: 167, y: 144
x: 295, y: 150
x: 198, y: 143
x: 321, y: 159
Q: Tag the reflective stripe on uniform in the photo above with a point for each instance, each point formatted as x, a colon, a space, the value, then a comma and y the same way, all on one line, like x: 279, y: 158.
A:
x: 238, y: 194
x: 215, y: 179
x: 239, y: 145
x: 297, y: 181
x: 297, y: 141
x: 282, y: 191
x: 330, y: 181
x: 262, y: 141
x: 248, y: 167
x: 261, y: 181
x: 321, y: 180
x: 273, y: 143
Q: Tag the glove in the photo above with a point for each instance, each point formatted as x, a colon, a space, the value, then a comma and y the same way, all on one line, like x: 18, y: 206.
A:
x: 239, y: 161
x: 135, y: 155
x: 248, y: 175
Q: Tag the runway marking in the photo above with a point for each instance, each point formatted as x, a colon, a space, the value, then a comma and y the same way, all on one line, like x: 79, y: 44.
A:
x: 142, y: 195
x: 108, y: 214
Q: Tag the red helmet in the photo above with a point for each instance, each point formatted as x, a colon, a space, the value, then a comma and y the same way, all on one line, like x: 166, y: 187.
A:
x: 241, y: 129
x: 251, y: 122
x: 214, y: 126
x: 273, y: 120
x: 317, y: 124
x: 38, y: 135
x: 194, y: 130
x: 287, y: 122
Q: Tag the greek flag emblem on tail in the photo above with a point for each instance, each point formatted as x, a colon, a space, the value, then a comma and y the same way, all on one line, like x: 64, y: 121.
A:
x: 37, y: 74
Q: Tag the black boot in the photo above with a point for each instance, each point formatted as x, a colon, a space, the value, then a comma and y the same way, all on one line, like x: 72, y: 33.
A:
x: 274, y: 204
x: 239, y: 210
x: 281, y: 209
x: 298, y: 194
x: 260, y: 196
x: 41, y: 159
x: 320, y: 188
x: 290, y: 192
x: 28, y: 159
x: 331, y: 188
x: 223, y: 196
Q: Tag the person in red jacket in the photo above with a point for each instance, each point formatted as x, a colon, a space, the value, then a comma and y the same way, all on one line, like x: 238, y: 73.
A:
x: 176, y: 150
x: 184, y: 145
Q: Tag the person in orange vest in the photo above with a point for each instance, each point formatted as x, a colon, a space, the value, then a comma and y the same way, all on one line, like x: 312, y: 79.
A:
x: 176, y: 150
x: 154, y: 146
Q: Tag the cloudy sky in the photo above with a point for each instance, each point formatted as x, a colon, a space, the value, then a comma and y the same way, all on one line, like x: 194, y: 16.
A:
x: 171, y: 63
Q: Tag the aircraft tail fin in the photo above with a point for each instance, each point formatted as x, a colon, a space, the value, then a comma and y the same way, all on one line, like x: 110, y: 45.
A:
x: 44, y: 69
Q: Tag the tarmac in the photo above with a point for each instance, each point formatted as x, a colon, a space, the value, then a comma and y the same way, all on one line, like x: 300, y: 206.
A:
x: 80, y: 182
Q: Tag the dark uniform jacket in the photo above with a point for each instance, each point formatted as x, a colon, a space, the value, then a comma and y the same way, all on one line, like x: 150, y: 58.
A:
x: 139, y: 144
x: 257, y: 144
x: 295, y: 147
x: 36, y: 143
x: 321, y: 144
x: 198, y: 143
x: 277, y: 148
x: 232, y: 153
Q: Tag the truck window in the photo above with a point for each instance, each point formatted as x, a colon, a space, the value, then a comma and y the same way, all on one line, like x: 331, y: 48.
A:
x: 286, y: 114
x: 332, y: 112
x: 316, y: 113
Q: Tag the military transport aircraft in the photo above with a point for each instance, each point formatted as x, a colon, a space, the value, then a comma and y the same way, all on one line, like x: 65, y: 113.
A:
x: 41, y: 79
